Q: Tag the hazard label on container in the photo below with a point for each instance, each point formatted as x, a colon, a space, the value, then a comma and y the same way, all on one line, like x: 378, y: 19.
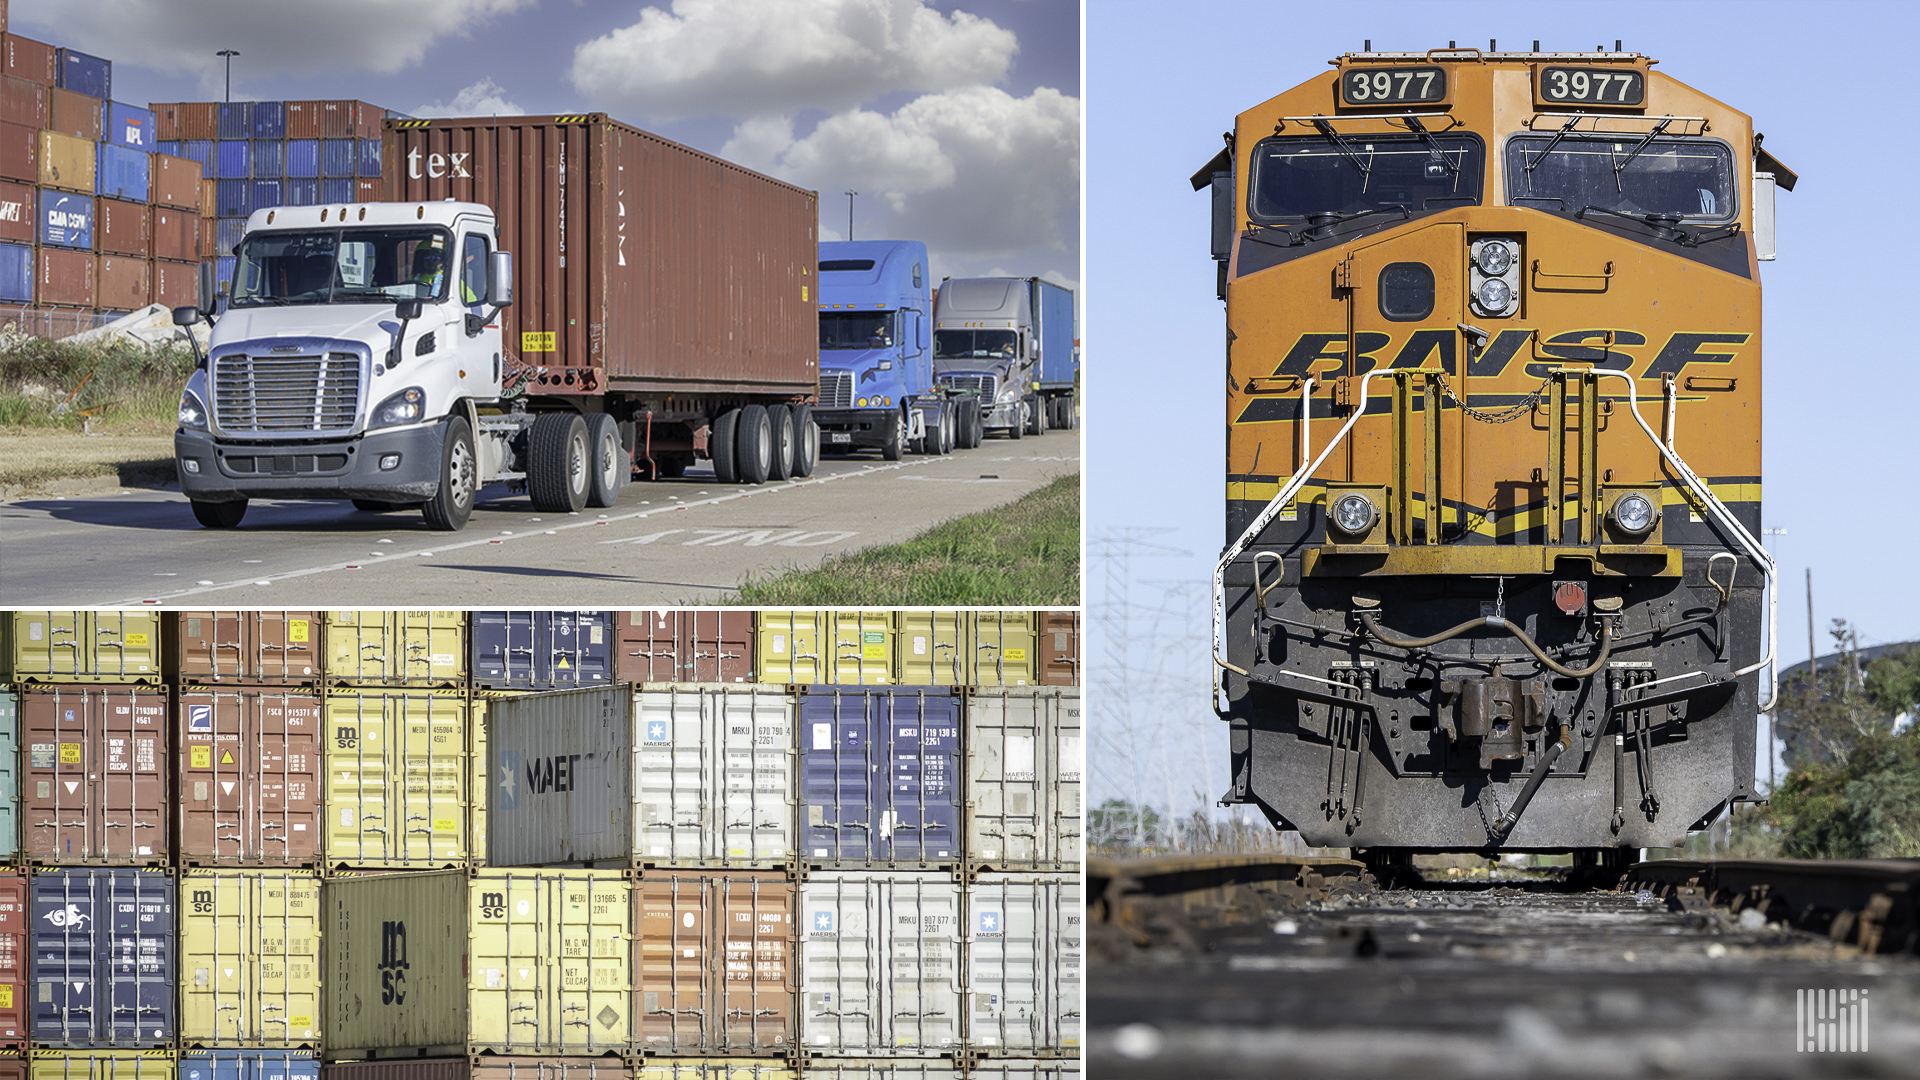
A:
x: 202, y: 757
x: 446, y: 825
x: 137, y: 640
x: 536, y: 341
x: 226, y: 757
x: 69, y: 753
x: 297, y: 630
x: 1018, y: 656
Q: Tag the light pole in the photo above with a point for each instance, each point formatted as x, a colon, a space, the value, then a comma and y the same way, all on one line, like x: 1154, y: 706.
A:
x: 850, y: 196
x: 229, y: 54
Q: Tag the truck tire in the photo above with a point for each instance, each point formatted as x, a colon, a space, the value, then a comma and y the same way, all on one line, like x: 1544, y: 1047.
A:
x: 452, y: 503
x: 949, y: 420
x: 611, y: 465
x: 1036, y: 420
x: 559, y: 461
x: 895, y: 443
x: 780, y: 420
x: 806, y: 451
x: 219, y: 515
x: 970, y: 430
x: 720, y: 446
x: 1018, y: 428
x: 929, y: 441
x: 753, y: 445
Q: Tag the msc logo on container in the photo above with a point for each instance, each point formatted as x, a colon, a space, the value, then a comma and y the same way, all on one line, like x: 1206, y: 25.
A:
x: 202, y: 901
x: 493, y: 905
x: 393, y: 963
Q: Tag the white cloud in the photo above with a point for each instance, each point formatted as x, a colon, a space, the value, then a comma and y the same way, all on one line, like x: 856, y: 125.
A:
x: 302, y: 38
x: 976, y: 173
x: 484, y: 98
x: 766, y: 57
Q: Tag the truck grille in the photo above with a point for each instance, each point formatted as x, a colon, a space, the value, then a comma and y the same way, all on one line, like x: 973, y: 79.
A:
x: 980, y: 384
x: 310, y: 393
x: 836, y: 389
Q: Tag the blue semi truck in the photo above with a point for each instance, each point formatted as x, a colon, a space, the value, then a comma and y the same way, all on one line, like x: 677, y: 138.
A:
x: 877, y: 389
x: 1009, y: 343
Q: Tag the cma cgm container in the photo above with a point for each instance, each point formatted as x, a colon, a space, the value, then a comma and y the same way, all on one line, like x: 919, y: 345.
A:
x: 13, y: 958
x: 247, y: 776
x: 94, y: 774
x: 880, y: 963
x: 676, y: 645
x: 488, y: 961
x: 249, y: 1065
x: 103, y: 958
x: 396, y: 762
x: 714, y: 953
x: 542, y: 650
x: 249, y: 943
x: 665, y: 775
x: 1024, y: 760
x: 392, y: 648
x: 66, y: 219
x: 1023, y: 963
x: 242, y: 648
x: 84, y: 646
x: 880, y: 776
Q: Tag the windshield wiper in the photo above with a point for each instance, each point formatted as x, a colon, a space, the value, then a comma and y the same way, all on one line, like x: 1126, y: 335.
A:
x: 1328, y: 219
x: 1548, y: 149
x: 1642, y: 145
x: 1667, y: 226
x: 1345, y: 147
x: 1433, y: 144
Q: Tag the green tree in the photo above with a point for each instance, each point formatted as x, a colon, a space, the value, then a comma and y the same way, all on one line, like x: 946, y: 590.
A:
x: 1118, y: 825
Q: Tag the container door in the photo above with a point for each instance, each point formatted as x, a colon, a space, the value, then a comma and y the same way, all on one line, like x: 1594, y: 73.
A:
x: 550, y: 969
x: 139, y: 979
x: 677, y: 983
x: 1004, y: 747
x: 753, y: 732
x: 918, y: 797
x: 932, y: 647
x: 397, y: 765
x: 249, y: 776
x: 9, y: 797
x: 718, y: 646
x: 647, y: 647
x: 862, y: 648
x: 503, y: 648
x: 96, y: 773
x: 754, y: 914
x: 1005, y: 648
x: 578, y: 649
x: 672, y: 787
x: 14, y: 907
x: 796, y: 647
x: 397, y: 647
x: 922, y: 940
x: 1068, y: 800
x: 69, y: 912
x: 250, y: 942
x: 1060, y: 648
x: 842, y: 964
x: 46, y: 643
x: 837, y: 766
x: 287, y: 646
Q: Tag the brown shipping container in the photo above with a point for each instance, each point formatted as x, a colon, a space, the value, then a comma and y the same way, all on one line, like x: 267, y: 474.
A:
x: 1060, y: 648
x: 175, y: 284
x: 505, y: 1067
x: 67, y: 162
x: 206, y: 239
x: 367, y: 190
x: 715, y: 958
x: 209, y: 198
x: 639, y: 264
x: 175, y: 233
x: 176, y: 182
x: 93, y: 776
x: 23, y: 102
x: 30, y: 60
x: 19, y: 153
x: 278, y: 648
x: 17, y: 213
x: 64, y: 278
x: 122, y: 228
x: 339, y: 119
x: 3, y: 16
x: 248, y: 774
x: 71, y: 113
x: 13, y: 960
x: 683, y: 646
x: 187, y: 120
x: 124, y: 282
x: 303, y: 119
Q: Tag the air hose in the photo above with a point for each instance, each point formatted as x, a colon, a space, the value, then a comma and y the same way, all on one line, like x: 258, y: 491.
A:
x: 1372, y: 623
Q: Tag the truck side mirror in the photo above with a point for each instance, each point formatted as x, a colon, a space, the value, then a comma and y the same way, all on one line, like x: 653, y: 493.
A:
x: 186, y: 315
x: 406, y: 310
x: 500, y: 279
x: 205, y: 288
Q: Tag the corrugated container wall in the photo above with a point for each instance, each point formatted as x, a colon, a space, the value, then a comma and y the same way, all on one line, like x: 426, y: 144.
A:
x: 235, y: 120
x: 175, y: 233
x: 123, y: 173
x: 339, y: 189
x: 683, y: 775
x: 64, y: 278
x: 72, y: 113
x: 66, y: 220
x: 9, y: 785
x: 303, y: 158
x: 658, y: 267
x: 270, y: 120
x: 713, y: 1069
x: 1060, y: 648
x: 17, y: 207
x: 13, y: 958
x: 934, y: 647
x: 31, y: 60
x: 1024, y: 759
x: 397, y: 764
x: 103, y: 958
x: 19, y: 153
x: 880, y: 776
x: 499, y: 961
x: 85, y: 74
x: 1023, y: 963
x: 130, y: 126
x: 66, y: 162
x: 505, y: 1067
x: 176, y: 182
x: 104, y: 1065
x: 249, y: 1065
x: 84, y: 646
x: 383, y: 648
x: 249, y: 945
x: 124, y: 282
x: 673, y: 645
x: 94, y: 776
x: 23, y: 102
x: 175, y: 284
x: 269, y: 159
x: 880, y: 963
x: 1006, y: 648
x: 542, y: 650
x: 280, y: 648
x: 248, y: 776
x: 16, y: 273
x: 714, y: 953
x: 233, y: 199
x: 793, y: 648
x: 124, y: 228
x: 339, y: 157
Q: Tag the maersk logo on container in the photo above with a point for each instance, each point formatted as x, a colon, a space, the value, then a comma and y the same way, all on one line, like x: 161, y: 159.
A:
x: 438, y: 165
x: 657, y: 731
x: 509, y: 780
x: 822, y: 922
x: 990, y: 924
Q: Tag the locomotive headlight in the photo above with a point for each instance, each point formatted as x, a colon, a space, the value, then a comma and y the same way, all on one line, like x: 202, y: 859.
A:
x: 1493, y: 258
x: 1495, y: 295
x: 1633, y: 513
x: 1353, y: 514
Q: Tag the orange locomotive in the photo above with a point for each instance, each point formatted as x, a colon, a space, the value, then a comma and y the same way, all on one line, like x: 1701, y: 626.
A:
x: 1493, y: 458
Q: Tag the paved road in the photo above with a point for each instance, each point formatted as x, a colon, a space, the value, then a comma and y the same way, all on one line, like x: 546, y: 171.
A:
x: 670, y: 542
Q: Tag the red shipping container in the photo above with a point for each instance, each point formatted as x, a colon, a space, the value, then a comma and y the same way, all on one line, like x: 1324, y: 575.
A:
x: 175, y: 233
x: 19, y: 153
x: 207, y: 239
x: 249, y: 775
x: 64, y: 278
x: 93, y: 776
x: 272, y: 648
x: 303, y: 119
x: 123, y: 283
x: 13, y: 963
x: 73, y: 113
x: 3, y: 16
x: 714, y: 960
x: 176, y: 182
x: 176, y: 284
x: 209, y: 197
x: 122, y: 228
x: 187, y: 120
x: 683, y: 646
x: 23, y: 102
x: 17, y: 213
x: 1060, y: 648
x: 366, y: 190
x: 30, y: 60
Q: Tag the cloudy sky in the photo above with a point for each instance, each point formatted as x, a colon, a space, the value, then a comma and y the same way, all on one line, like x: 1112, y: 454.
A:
x: 957, y: 121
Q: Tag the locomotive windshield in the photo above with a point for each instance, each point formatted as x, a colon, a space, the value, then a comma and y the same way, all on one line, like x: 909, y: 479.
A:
x: 1296, y: 177
x: 1684, y: 178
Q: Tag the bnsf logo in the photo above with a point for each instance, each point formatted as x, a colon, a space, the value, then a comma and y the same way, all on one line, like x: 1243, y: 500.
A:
x: 393, y: 963
x: 1602, y: 348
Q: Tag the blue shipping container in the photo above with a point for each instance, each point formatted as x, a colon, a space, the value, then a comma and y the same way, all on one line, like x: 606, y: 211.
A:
x: 103, y: 955
x: 122, y: 173
x: 249, y: 1065
x: 266, y: 194
x: 336, y: 191
x: 233, y: 198
x: 236, y: 120
x: 223, y: 273
x: 169, y: 147
x: 10, y: 701
x: 269, y: 119
x: 370, y: 157
x: 130, y: 126
x: 16, y: 273
x: 303, y: 157
x: 85, y: 74
x: 66, y: 219
x: 542, y: 650
x: 234, y: 160
x: 200, y: 150
x: 269, y: 159
x: 339, y: 157
x: 299, y: 192
x: 880, y: 774
x: 227, y: 233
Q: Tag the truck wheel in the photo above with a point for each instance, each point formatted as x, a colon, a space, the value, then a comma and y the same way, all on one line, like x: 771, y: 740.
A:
x: 969, y: 423
x: 935, y: 436
x: 895, y: 443
x: 559, y: 461
x: 949, y: 420
x: 753, y: 445
x: 611, y: 465
x: 452, y: 502
x: 806, y: 451
x: 219, y: 515
x: 1018, y: 428
x: 720, y: 446
x: 780, y: 420
x: 1035, y: 422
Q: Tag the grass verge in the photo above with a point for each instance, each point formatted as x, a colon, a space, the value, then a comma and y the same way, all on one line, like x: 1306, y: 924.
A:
x: 1026, y: 553
x: 76, y: 411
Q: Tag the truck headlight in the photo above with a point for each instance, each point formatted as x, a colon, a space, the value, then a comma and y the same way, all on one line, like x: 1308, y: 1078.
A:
x: 193, y: 414
x: 1353, y: 514
x: 405, y: 407
x: 1634, y: 513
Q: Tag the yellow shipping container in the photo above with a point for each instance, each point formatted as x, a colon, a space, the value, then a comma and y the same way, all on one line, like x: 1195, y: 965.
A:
x: 102, y: 1065
x: 67, y: 162
x: 933, y: 647
x: 1006, y: 648
x: 84, y: 646
x: 398, y: 768
x: 492, y: 961
x: 666, y: 1068
x: 793, y: 647
x: 396, y: 648
x: 863, y: 648
x: 249, y: 958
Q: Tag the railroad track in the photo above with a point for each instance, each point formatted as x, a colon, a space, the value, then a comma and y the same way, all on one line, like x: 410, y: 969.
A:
x: 1286, y: 966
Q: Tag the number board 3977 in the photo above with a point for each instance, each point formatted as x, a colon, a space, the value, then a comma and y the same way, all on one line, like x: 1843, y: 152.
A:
x: 1590, y: 86
x: 1393, y: 86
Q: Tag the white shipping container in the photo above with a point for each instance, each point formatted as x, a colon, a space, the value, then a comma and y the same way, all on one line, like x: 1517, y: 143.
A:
x: 678, y: 775
x: 880, y: 963
x: 1024, y: 760
x: 1023, y: 963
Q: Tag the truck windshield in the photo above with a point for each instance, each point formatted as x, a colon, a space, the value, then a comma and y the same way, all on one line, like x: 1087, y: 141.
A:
x: 971, y: 344
x: 856, y: 329
x: 1686, y: 178
x: 341, y: 266
x: 1298, y: 177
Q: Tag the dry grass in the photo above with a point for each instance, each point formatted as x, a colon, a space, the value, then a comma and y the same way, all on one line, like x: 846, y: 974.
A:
x: 75, y: 412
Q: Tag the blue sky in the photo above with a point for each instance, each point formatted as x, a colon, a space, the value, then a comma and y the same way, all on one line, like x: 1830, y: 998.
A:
x: 1841, y: 447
